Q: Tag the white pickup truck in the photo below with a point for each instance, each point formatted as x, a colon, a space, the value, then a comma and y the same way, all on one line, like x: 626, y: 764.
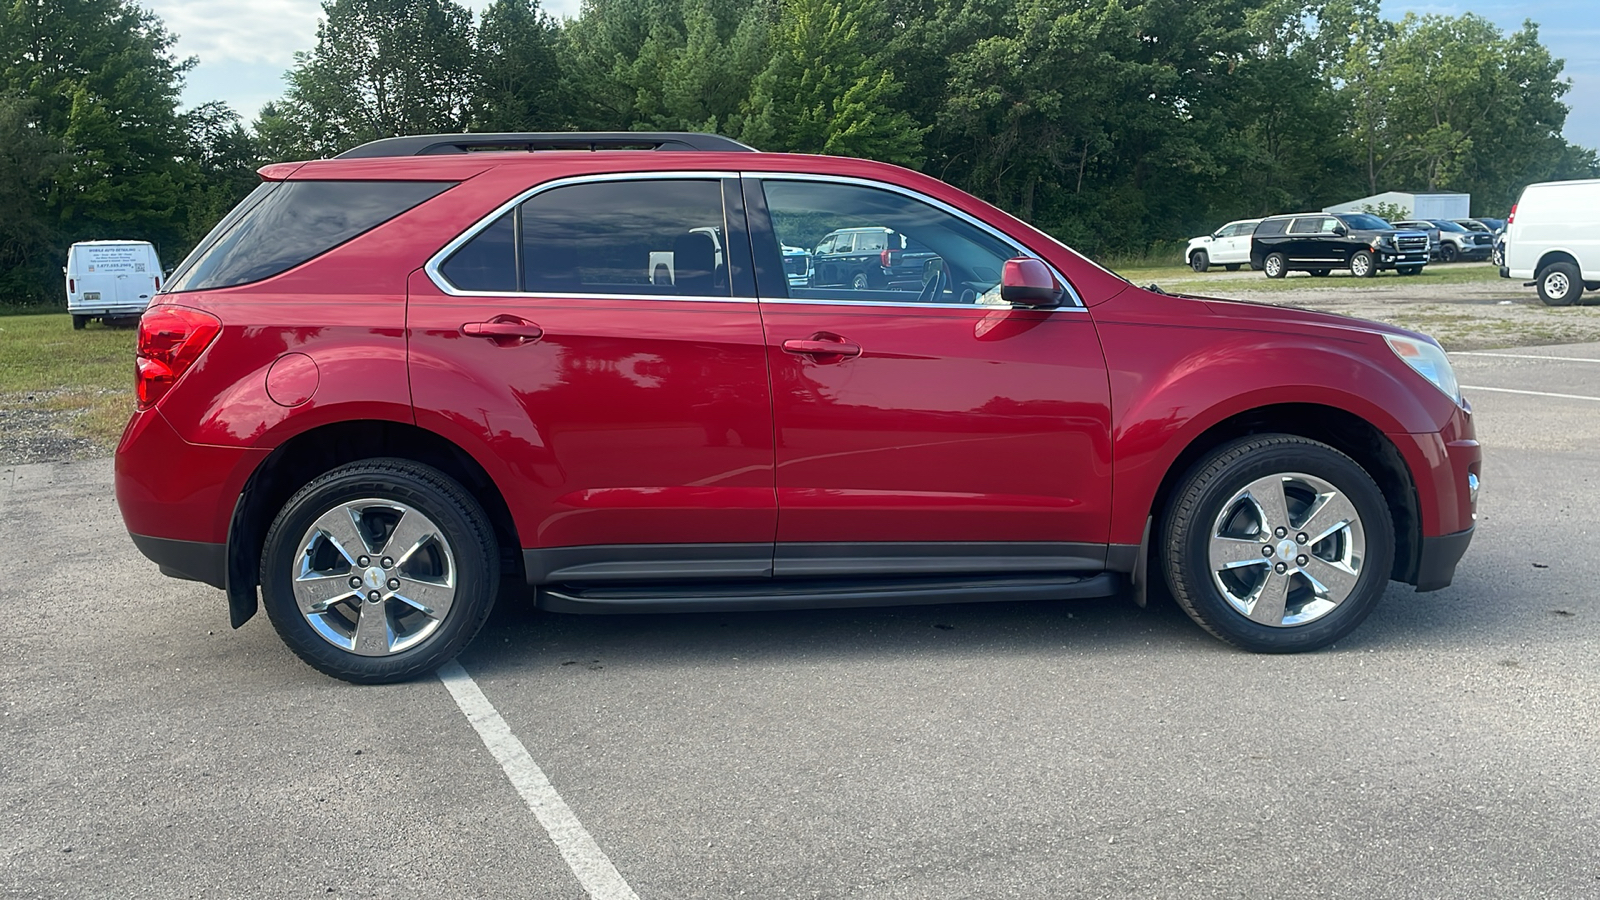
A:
x: 110, y: 280
x: 1228, y: 246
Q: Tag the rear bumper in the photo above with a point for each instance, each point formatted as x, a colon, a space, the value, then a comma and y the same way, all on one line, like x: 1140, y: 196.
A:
x: 190, y: 560
x: 1436, y: 563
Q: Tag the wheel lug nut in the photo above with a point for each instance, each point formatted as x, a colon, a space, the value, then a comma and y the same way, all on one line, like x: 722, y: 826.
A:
x: 1300, y: 560
x: 363, y: 562
x: 394, y: 584
x: 387, y: 563
x: 1300, y: 538
x: 1281, y: 531
x: 1265, y: 551
x: 1280, y: 568
x: 374, y: 596
x: 355, y: 582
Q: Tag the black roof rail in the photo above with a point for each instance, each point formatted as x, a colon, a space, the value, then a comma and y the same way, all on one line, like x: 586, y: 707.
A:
x: 439, y: 144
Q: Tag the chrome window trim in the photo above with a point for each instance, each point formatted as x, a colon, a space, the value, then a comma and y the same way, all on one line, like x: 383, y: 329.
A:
x: 431, y: 267
x: 1072, y: 292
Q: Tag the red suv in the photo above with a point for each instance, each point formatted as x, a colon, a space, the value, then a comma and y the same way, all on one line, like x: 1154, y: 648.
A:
x: 390, y: 380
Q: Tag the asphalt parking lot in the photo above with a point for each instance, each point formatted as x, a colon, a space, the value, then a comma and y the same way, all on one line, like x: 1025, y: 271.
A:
x: 1085, y: 749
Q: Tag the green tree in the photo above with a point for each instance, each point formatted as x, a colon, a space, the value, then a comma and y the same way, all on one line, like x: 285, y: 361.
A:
x: 380, y: 68
x: 28, y: 234
x: 827, y: 88
x: 101, y: 86
x: 518, y: 85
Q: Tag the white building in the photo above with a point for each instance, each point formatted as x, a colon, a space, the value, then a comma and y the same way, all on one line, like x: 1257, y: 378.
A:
x: 1442, y: 205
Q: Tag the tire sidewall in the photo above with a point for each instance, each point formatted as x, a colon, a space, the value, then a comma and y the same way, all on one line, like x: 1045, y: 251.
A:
x: 1281, y: 266
x: 471, y: 546
x: 1199, y: 261
x: 1189, y: 576
x: 1566, y: 297
x: 1367, y: 270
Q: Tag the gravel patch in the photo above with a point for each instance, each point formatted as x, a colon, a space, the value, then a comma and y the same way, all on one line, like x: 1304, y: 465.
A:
x: 32, y: 431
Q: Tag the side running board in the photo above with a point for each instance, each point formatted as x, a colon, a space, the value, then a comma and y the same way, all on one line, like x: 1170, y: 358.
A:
x: 824, y: 594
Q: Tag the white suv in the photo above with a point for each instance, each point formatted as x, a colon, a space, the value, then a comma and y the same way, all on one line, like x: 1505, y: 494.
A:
x: 1228, y: 246
x: 1553, y: 238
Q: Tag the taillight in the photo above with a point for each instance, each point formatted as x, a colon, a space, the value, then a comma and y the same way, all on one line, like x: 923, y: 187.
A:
x: 171, y: 338
x: 1513, y: 217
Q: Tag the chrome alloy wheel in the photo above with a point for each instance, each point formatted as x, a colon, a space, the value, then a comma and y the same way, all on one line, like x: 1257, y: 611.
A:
x: 1287, y: 549
x: 1274, y: 267
x: 374, y: 577
x: 1360, y: 266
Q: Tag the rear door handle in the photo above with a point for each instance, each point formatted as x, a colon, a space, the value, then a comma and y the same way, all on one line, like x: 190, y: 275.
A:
x: 823, y: 347
x: 505, y: 331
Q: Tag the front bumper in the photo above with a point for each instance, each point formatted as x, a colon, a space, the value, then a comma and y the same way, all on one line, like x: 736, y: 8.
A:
x: 1436, y: 562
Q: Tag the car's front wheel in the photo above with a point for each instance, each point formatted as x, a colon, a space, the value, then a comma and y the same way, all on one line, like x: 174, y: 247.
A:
x: 1448, y: 253
x: 1275, y: 265
x: 1277, y: 543
x: 1198, y: 261
x: 379, y: 571
x: 1363, y: 265
x: 1560, y: 284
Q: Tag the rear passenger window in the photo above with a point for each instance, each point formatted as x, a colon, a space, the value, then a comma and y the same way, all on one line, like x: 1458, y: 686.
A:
x: 281, y: 226
x: 626, y: 237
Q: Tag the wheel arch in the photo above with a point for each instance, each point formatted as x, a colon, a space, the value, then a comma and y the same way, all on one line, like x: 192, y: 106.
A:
x: 1346, y: 432
x: 299, y: 459
x: 1552, y: 257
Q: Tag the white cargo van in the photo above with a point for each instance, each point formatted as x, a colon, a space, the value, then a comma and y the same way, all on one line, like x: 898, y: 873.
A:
x: 110, y: 280
x: 1553, y: 238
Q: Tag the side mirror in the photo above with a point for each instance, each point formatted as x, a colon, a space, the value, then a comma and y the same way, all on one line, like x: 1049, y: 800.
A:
x: 1340, y: 230
x: 1028, y: 282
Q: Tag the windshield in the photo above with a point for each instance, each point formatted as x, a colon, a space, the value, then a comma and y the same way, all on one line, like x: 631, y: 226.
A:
x: 1445, y: 225
x: 1364, y: 222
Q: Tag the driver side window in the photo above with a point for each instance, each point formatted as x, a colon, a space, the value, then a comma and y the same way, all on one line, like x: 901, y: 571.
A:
x: 906, y: 251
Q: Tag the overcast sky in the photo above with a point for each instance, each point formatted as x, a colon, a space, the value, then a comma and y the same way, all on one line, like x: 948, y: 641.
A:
x: 244, y: 48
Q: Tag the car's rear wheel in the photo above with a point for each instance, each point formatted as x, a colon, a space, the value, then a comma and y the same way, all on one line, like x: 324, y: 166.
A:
x: 78, y: 322
x: 860, y: 282
x: 379, y: 571
x: 1198, y: 261
x: 1362, y: 264
x: 1277, y: 543
x: 1560, y: 284
x: 1448, y: 252
x: 1498, y: 256
x: 1275, y: 265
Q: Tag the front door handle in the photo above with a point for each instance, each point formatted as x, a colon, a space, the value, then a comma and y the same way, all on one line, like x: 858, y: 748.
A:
x: 823, y: 345
x: 504, y: 331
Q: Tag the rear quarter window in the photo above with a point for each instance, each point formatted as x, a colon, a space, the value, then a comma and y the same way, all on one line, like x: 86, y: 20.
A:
x: 287, y: 223
x: 1271, y: 227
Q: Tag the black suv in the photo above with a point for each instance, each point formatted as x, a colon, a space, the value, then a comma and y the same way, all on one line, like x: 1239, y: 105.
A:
x: 1321, y: 242
x: 870, y: 259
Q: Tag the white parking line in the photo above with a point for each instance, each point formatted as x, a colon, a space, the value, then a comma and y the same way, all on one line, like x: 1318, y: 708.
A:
x: 1478, y: 387
x: 587, y: 861
x: 1525, y: 356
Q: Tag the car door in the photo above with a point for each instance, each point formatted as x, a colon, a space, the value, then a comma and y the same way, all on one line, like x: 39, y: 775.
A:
x: 1229, y: 247
x: 938, y: 431
x: 586, y: 341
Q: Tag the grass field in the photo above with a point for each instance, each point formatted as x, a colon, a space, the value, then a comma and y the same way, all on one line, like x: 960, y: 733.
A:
x: 86, y: 376
x: 1182, y: 279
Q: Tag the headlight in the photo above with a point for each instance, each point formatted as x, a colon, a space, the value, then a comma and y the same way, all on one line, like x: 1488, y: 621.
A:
x: 1427, y: 360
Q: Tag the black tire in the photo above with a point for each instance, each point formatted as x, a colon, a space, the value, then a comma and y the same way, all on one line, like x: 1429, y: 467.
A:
x: 1448, y: 252
x: 1363, y: 264
x: 1319, y: 273
x: 1276, y: 265
x: 78, y: 322
x: 861, y: 283
x: 1199, y: 261
x: 1560, y: 284
x: 1197, y: 507
x: 459, y: 524
x: 1231, y: 267
x: 1409, y: 270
